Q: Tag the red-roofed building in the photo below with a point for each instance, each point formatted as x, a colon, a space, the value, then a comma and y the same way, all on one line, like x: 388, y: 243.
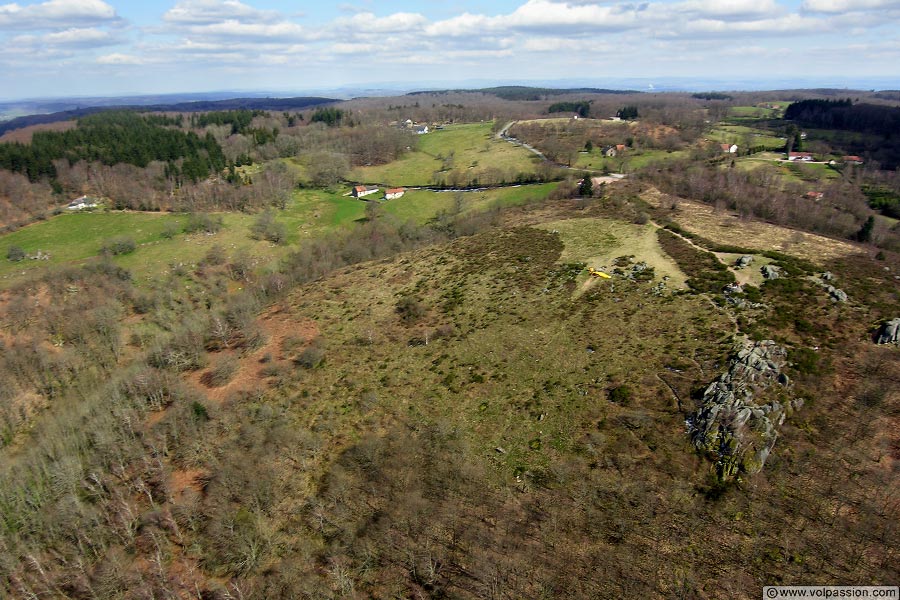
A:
x: 804, y: 156
x: 852, y: 160
x: 815, y: 195
x: 363, y: 190
x: 392, y: 193
x: 729, y: 148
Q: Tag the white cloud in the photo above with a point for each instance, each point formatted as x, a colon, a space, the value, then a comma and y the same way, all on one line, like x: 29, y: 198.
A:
x: 367, y: 22
x: 544, y: 15
x: 206, y: 12
x: 55, y: 14
x: 121, y: 59
x: 788, y: 24
x: 259, y: 32
x: 843, y: 6
x: 345, y: 48
x: 81, y: 38
x: 731, y: 9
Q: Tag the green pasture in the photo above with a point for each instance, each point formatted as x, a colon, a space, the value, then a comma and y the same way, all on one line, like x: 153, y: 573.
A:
x: 475, y: 151
x: 627, y: 161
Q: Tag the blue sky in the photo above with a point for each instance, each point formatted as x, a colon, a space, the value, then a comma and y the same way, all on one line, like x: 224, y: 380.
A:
x: 105, y: 47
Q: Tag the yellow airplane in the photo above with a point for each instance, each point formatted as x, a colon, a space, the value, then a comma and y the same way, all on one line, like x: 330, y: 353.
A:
x: 595, y: 273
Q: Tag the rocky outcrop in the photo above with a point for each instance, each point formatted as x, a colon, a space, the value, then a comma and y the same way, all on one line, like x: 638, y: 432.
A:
x: 836, y: 294
x: 743, y: 261
x: 732, y: 425
x: 889, y: 333
x: 733, y: 293
x: 770, y: 272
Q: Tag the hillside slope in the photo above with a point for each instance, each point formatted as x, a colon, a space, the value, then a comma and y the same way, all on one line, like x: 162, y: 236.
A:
x: 470, y: 420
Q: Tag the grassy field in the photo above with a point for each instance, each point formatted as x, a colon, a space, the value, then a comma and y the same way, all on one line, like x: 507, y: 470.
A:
x: 74, y: 238
x: 597, y: 242
x: 626, y: 162
x: 421, y: 205
x: 723, y: 227
x: 744, y: 136
x: 756, y: 112
x: 474, y: 151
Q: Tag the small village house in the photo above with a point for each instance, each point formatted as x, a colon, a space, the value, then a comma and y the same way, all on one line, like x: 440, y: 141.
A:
x: 729, y: 148
x: 363, y: 190
x: 852, y: 160
x: 814, y: 195
x: 392, y: 193
x: 609, y: 151
x: 800, y: 156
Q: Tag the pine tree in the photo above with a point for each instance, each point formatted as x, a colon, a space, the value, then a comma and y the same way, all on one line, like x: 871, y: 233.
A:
x: 586, y: 188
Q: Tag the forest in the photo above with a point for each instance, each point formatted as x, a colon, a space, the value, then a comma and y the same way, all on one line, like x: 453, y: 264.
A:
x: 116, y: 137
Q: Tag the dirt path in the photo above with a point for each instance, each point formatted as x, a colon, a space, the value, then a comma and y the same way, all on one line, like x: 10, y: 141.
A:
x: 501, y: 135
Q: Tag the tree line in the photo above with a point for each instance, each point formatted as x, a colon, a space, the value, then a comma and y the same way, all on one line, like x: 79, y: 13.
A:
x: 111, y: 138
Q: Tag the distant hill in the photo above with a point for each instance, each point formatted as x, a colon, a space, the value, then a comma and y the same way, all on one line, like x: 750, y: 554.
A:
x: 518, y: 92
x: 197, y: 106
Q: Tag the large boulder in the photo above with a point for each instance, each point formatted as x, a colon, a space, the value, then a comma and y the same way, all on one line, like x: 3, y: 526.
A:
x: 836, y: 294
x: 733, y: 425
x: 743, y: 261
x: 889, y: 333
x: 770, y: 272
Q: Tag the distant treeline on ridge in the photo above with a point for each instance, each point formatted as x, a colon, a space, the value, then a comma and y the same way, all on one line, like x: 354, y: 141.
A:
x: 516, y: 92
x: 278, y: 104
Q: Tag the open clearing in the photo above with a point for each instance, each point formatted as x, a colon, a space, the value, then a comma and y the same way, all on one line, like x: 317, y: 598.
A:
x: 475, y: 151
x: 745, y: 136
x: 727, y: 228
x: 598, y: 242
x: 422, y: 205
x: 74, y: 238
x: 627, y: 161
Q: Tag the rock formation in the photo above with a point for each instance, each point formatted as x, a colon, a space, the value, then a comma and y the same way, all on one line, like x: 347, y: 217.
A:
x: 889, y: 333
x: 770, y: 272
x: 734, y: 425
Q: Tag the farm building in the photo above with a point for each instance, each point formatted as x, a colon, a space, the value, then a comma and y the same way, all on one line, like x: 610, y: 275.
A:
x: 802, y: 156
x: 609, y: 151
x: 392, y: 193
x: 729, y: 148
x: 815, y: 195
x: 363, y: 190
x: 421, y: 129
x: 82, y: 203
x: 852, y: 160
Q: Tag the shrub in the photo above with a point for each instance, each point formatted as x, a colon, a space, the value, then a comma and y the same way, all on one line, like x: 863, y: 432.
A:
x: 118, y: 245
x: 15, y: 254
x: 312, y: 356
x: 203, y: 222
x: 621, y: 395
x: 215, y: 256
x: 170, y: 230
x: 410, y: 309
x: 221, y: 373
x: 266, y: 228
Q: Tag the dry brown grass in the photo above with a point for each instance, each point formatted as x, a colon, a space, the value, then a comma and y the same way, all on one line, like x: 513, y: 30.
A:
x: 723, y: 227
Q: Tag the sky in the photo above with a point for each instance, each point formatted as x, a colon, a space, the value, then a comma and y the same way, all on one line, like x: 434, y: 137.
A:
x: 65, y: 48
